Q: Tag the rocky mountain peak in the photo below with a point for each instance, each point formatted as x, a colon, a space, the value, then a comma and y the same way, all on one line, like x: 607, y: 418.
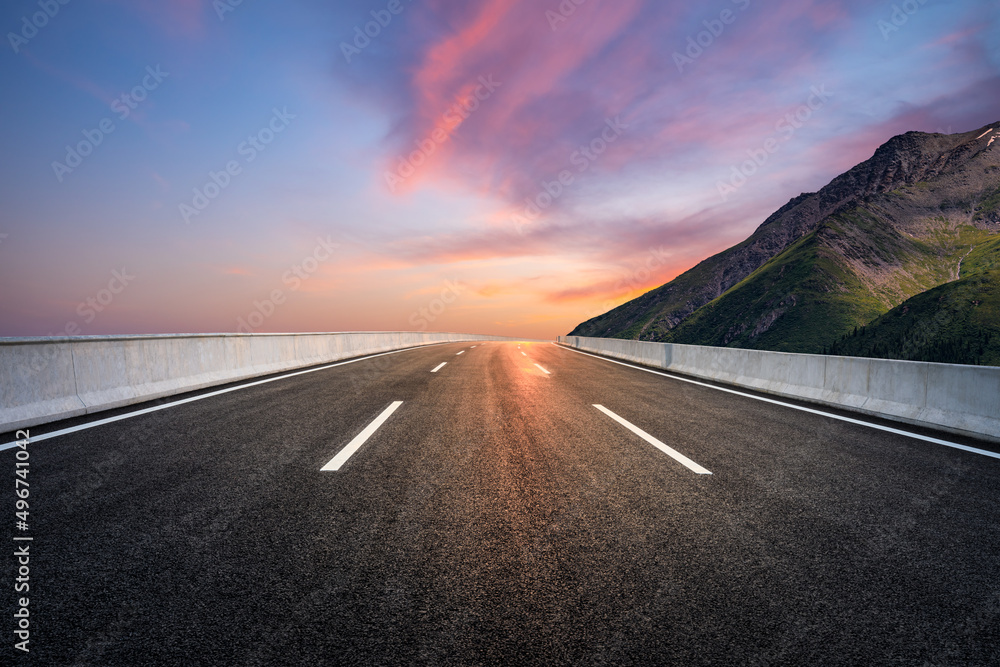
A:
x: 956, y: 170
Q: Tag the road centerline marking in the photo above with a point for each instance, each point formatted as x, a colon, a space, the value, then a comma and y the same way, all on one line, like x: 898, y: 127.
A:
x: 462, y: 352
x: 542, y: 369
x: 672, y: 453
x: 360, y: 439
x: 822, y: 413
x: 439, y: 366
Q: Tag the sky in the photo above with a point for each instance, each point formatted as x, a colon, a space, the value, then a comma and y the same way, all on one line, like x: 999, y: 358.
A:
x: 508, y: 167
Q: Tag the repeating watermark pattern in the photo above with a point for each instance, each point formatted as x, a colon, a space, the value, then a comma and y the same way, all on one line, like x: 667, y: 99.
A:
x: 223, y: 7
x: 562, y: 13
x: 784, y: 129
x: 456, y: 114
x: 364, y: 34
x: 714, y: 28
x: 423, y: 317
x: 22, y: 542
x: 91, y: 306
x: 88, y: 309
x: 637, y: 278
x: 218, y: 181
x: 583, y: 158
x: 31, y: 25
x: 901, y: 14
x: 122, y: 105
x: 293, y: 278
x: 128, y: 102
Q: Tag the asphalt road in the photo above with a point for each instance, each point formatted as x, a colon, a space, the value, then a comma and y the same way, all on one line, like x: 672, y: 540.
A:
x: 498, y: 517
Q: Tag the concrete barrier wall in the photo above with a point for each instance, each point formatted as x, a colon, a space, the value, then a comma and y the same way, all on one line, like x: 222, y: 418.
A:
x: 46, y: 379
x: 958, y: 399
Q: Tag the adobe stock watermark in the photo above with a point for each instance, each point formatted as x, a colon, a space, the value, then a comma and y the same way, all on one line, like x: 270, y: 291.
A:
x: 583, y: 158
x: 454, y: 116
x: 639, y: 277
x: 293, y: 279
x: 223, y: 7
x: 901, y: 14
x: 714, y: 28
x: 218, y: 181
x: 423, y: 317
x: 88, y: 310
x: 364, y: 34
x: 31, y: 25
x: 22, y: 541
x: 784, y: 129
x: 123, y: 105
x: 94, y: 305
x: 562, y: 13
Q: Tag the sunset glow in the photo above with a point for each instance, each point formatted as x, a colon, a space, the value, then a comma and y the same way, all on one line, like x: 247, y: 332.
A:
x: 506, y: 167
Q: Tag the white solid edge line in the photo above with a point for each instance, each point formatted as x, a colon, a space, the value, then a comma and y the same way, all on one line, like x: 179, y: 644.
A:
x: 155, y: 408
x: 672, y: 453
x: 858, y: 422
x: 360, y: 439
x: 543, y: 370
x: 439, y: 366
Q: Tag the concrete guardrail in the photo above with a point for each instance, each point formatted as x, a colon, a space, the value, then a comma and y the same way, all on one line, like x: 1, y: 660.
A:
x: 950, y: 397
x: 47, y: 379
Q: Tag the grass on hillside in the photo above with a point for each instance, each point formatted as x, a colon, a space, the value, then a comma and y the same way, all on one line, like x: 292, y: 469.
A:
x: 851, y: 270
x: 957, y: 323
x: 813, y: 299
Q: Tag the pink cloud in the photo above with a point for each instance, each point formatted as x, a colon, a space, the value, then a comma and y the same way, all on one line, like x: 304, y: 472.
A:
x: 509, y: 42
x: 559, y: 86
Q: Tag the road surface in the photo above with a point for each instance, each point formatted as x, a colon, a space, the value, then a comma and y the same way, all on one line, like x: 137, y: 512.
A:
x: 461, y: 504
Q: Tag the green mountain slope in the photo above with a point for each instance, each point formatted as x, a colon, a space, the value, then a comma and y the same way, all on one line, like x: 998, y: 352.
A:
x: 923, y: 210
x: 954, y: 166
x: 956, y: 323
x: 791, y: 303
x: 845, y: 274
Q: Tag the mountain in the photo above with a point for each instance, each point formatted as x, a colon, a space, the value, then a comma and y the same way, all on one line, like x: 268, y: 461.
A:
x: 893, y: 227
x: 957, y: 323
